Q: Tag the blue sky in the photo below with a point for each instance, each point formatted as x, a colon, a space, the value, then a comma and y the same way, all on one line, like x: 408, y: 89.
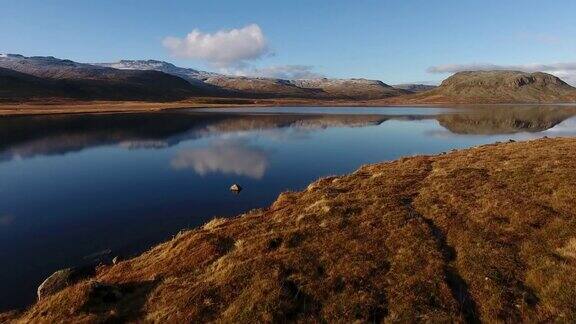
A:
x: 393, y: 41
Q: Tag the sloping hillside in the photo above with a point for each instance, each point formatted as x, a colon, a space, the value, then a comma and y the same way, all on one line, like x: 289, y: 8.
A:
x: 323, y: 88
x: 484, y: 234
x: 68, y: 79
x: 20, y: 86
x: 361, y: 89
x: 195, y: 77
x: 498, y: 87
x: 353, y: 89
x: 415, y: 87
x: 261, y: 87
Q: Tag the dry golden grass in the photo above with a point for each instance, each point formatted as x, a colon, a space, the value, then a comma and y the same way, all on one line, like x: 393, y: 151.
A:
x: 485, y: 234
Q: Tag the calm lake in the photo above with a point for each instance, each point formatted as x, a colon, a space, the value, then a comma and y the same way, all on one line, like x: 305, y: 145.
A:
x: 78, y: 188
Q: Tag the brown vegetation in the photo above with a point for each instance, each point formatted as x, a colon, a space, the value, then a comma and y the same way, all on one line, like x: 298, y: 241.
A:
x: 483, y: 234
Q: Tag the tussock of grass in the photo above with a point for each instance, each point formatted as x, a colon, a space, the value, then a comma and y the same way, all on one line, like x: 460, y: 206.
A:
x: 569, y: 250
x: 485, y: 234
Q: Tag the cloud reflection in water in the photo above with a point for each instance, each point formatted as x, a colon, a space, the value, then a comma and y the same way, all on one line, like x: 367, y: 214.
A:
x: 225, y: 156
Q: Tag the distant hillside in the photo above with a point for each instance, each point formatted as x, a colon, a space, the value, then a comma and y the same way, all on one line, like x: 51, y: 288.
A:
x: 414, y: 87
x: 270, y: 87
x: 262, y: 87
x: 52, y: 77
x: 351, y: 88
x: 195, y: 77
x: 360, y: 89
x: 499, y: 87
x: 16, y: 85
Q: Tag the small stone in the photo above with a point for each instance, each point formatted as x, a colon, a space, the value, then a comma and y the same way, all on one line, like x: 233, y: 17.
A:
x: 115, y: 260
x: 235, y: 188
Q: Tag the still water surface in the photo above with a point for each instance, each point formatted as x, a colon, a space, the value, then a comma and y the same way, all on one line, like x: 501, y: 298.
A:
x: 78, y: 188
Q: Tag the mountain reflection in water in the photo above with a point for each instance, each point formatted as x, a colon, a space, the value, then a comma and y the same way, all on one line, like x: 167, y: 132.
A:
x: 74, y: 185
x: 505, y: 120
x: 24, y: 137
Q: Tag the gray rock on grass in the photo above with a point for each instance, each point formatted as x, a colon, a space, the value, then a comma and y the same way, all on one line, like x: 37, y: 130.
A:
x: 64, y: 278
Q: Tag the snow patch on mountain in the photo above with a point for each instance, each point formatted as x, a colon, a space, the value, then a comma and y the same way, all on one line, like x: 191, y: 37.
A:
x: 191, y: 75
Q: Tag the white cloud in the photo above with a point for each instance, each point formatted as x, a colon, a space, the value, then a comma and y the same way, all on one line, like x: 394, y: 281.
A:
x: 566, y: 71
x: 288, y: 72
x: 232, y: 50
x: 228, y: 157
x: 224, y: 48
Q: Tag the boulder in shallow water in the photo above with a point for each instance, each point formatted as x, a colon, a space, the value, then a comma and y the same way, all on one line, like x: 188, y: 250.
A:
x: 235, y: 188
x: 62, y: 279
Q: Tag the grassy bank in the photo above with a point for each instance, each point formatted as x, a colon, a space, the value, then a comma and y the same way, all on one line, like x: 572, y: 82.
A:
x: 483, y: 234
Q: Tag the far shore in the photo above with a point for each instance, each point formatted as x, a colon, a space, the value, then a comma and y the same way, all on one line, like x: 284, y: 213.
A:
x: 80, y: 107
x: 53, y: 107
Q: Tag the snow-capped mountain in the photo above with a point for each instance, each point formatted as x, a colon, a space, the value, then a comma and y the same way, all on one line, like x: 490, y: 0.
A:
x: 158, y: 79
x: 47, y: 76
x: 50, y: 67
x: 270, y: 87
x: 190, y: 75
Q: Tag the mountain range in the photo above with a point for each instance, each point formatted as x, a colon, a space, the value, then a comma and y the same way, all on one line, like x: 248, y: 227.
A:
x: 150, y: 80
x: 39, y: 78
x: 24, y: 138
x: 269, y: 87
